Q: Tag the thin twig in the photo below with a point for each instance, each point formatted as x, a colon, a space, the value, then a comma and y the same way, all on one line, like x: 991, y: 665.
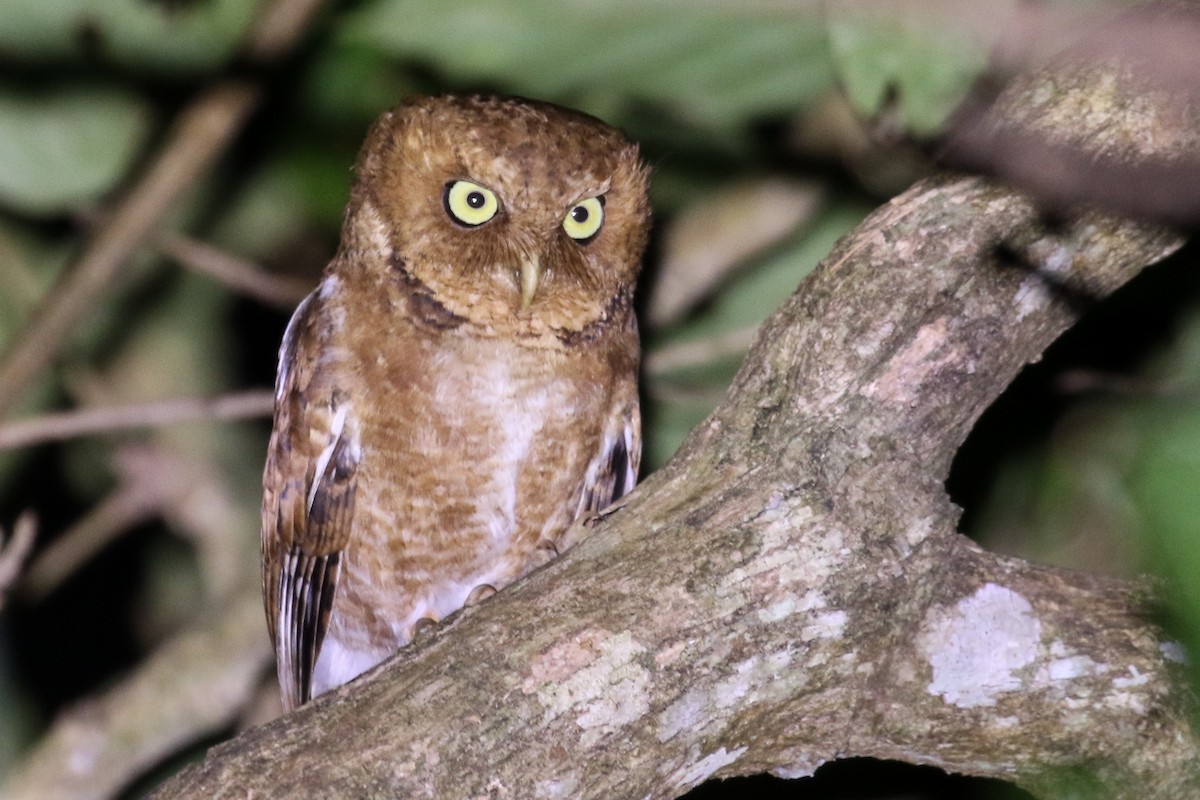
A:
x: 240, y: 274
x: 201, y: 134
x: 104, y: 524
x: 682, y: 355
x: 279, y: 27
x: 153, y: 481
x: 14, y: 551
x: 1079, y: 381
x: 81, y: 422
x: 671, y: 394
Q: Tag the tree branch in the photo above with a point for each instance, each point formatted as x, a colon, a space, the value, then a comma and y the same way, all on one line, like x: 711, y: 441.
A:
x: 14, y: 549
x: 85, y: 421
x: 239, y: 274
x: 790, y: 588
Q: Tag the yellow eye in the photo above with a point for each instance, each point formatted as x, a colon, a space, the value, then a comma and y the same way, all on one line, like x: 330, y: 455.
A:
x: 469, y: 203
x: 583, y: 221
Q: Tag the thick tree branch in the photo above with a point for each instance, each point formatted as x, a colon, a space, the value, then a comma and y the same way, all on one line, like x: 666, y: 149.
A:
x: 791, y: 589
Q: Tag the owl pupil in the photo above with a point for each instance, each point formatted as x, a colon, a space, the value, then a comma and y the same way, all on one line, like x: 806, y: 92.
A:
x: 476, y: 200
x: 579, y: 214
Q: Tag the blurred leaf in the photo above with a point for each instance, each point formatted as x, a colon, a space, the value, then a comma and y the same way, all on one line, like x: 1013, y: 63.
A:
x: 162, y: 36
x: 322, y: 173
x: 302, y: 187
x: 1079, y: 512
x: 765, y: 285
x: 706, y: 64
x: 710, y: 239
x: 166, y: 348
x: 674, y: 408
x: 178, y: 346
x: 1166, y: 485
x: 182, y: 346
x: 263, y: 214
x: 1115, y: 488
x: 1165, y: 478
x: 66, y: 147
x: 350, y: 84
x: 928, y: 51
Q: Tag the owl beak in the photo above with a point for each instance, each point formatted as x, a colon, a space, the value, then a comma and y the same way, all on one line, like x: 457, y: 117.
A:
x: 531, y: 271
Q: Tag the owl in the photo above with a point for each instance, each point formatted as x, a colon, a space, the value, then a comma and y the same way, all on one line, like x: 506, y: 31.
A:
x: 462, y: 384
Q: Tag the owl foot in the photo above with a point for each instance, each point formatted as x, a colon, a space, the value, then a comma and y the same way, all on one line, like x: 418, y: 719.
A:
x: 421, y: 626
x: 480, y: 593
x: 545, y: 552
x: 593, y: 519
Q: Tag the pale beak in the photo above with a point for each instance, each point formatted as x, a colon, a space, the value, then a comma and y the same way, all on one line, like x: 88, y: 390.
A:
x: 531, y: 271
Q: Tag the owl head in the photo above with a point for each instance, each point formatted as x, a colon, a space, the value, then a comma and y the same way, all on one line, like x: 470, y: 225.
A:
x: 507, y: 210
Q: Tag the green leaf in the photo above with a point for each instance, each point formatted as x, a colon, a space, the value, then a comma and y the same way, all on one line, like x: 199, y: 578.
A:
x: 66, y: 147
x: 303, y: 186
x: 348, y: 85
x: 755, y: 293
x: 179, y: 38
x: 929, y: 53
x: 707, y: 65
x: 1164, y: 484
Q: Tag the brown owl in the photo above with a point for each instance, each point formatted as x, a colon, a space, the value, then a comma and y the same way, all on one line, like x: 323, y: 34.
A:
x: 462, y: 384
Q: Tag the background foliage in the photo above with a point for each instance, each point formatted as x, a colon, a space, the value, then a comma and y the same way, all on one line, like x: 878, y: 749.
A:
x: 773, y: 128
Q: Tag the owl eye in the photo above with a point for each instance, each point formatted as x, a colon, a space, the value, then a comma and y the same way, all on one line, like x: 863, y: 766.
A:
x: 469, y: 203
x: 584, y: 219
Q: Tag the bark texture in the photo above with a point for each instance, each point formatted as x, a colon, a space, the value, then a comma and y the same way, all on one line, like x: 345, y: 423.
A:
x: 791, y: 588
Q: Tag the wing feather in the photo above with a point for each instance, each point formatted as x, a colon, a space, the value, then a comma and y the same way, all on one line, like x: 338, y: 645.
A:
x: 309, y: 489
x: 613, y: 473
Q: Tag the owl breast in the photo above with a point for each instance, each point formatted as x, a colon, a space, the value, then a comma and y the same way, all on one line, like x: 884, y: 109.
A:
x: 474, y: 452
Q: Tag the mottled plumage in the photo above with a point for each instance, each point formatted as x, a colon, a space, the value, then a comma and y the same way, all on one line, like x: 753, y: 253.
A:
x: 462, y: 384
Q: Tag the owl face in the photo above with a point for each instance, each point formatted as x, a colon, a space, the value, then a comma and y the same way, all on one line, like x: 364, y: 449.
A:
x: 507, y: 210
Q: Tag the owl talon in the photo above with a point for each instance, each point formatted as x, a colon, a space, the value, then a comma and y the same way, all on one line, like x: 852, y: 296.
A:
x: 545, y: 552
x: 480, y: 593
x: 422, y: 626
x: 593, y: 519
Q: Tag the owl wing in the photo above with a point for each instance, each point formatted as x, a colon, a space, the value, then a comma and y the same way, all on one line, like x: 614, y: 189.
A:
x: 613, y: 472
x: 308, y: 500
